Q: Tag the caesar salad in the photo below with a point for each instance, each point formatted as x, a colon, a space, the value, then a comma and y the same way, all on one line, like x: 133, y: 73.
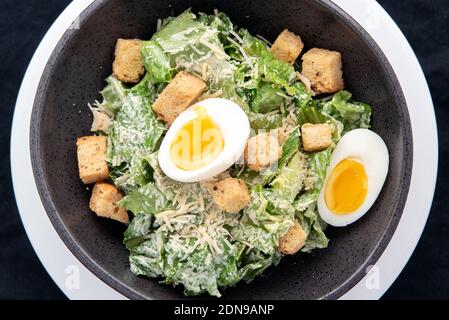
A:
x: 223, y: 152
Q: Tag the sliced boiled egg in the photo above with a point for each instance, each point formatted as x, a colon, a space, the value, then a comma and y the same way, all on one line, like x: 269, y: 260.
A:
x: 204, y: 140
x: 357, y: 172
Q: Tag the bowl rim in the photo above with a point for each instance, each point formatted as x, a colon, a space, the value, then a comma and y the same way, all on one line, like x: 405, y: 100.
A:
x: 129, y: 291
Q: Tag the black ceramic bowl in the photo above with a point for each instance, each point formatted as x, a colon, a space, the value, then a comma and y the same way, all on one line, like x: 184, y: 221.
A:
x: 76, y: 72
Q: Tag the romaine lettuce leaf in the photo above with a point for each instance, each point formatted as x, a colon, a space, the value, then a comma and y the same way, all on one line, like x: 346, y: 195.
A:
x: 256, y: 212
x: 276, y: 71
x: 146, y: 256
x: 270, y: 69
x: 314, y: 226
x: 256, y: 237
x: 190, y: 265
x: 156, y: 62
x: 260, y: 121
x: 177, y: 33
x: 352, y: 114
x: 145, y: 265
x: 267, y: 98
x: 305, y: 200
x: 138, y: 230
x: 290, y: 147
x: 135, y: 126
x: 219, y: 21
x: 197, y: 46
x: 258, y: 264
x: 114, y: 96
x: 301, y: 95
x: 253, y: 46
x: 289, y: 181
x: 146, y: 200
x: 137, y: 173
x: 318, y: 163
x: 227, y: 266
x: 311, y: 115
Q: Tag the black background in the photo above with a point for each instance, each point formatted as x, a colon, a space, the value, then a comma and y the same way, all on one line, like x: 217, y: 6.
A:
x: 23, y: 23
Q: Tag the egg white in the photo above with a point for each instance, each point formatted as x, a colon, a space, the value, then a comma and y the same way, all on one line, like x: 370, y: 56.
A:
x: 235, y: 129
x: 369, y: 148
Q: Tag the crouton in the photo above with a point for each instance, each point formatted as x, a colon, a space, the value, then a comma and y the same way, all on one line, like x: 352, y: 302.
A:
x: 180, y: 93
x: 92, y: 164
x: 262, y: 151
x: 323, y: 69
x: 231, y: 195
x: 316, y: 137
x: 287, y: 47
x: 128, y: 65
x: 293, y: 240
x: 104, y: 202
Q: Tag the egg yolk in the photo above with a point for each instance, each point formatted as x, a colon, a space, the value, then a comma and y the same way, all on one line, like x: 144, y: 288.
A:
x: 197, y: 143
x: 346, y: 187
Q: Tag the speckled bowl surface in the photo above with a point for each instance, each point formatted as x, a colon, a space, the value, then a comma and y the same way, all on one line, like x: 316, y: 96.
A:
x: 75, y: 74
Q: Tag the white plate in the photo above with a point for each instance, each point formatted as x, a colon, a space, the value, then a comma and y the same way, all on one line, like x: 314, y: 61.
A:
x: 79, y: 283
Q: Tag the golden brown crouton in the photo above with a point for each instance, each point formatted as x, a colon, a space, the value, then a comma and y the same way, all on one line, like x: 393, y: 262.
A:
x: 92, y: 158
x: 262, y: 151
x: 104, y: 202
x: 323, y: 69
x: 287, y: 47
x: 293, y: 240
x: 316, y: 137
x: 180, y: 94
x: 128, y: 65
x: 231, y: 195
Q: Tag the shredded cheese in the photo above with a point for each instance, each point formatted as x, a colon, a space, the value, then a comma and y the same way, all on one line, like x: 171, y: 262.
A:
x: 220, y: 53
x: 236, y: 35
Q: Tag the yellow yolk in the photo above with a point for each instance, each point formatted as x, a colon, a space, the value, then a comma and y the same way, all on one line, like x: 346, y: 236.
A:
x: 197, y: 143
x: 346, y: 187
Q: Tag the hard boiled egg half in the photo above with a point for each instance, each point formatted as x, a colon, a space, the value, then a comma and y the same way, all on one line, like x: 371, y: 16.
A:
x: 204, y: 140
x: 357, y: 172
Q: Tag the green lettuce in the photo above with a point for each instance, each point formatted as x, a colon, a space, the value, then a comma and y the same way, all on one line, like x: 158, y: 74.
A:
x: 156, y: 62
x: 145, y: 260
x: 318, y: 163
x: 257, y: 264
x: 135, y: 127
x: 289, y: 181
x: 137, y: 173
x: 259, y: 121
x: 270, y: 69
x: 114, y: 96
x: 146, y: 200
x: 352, y: 114
x: 139, y: 230
x: 290, y: 147
x: 178, y: 33
x: 220, y: 22
x: 227, y: 269
x: 301, y: 95
x: 314, y: 227
x: 267, y: 98
x: 195, y: 271
x: 276, y: 71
